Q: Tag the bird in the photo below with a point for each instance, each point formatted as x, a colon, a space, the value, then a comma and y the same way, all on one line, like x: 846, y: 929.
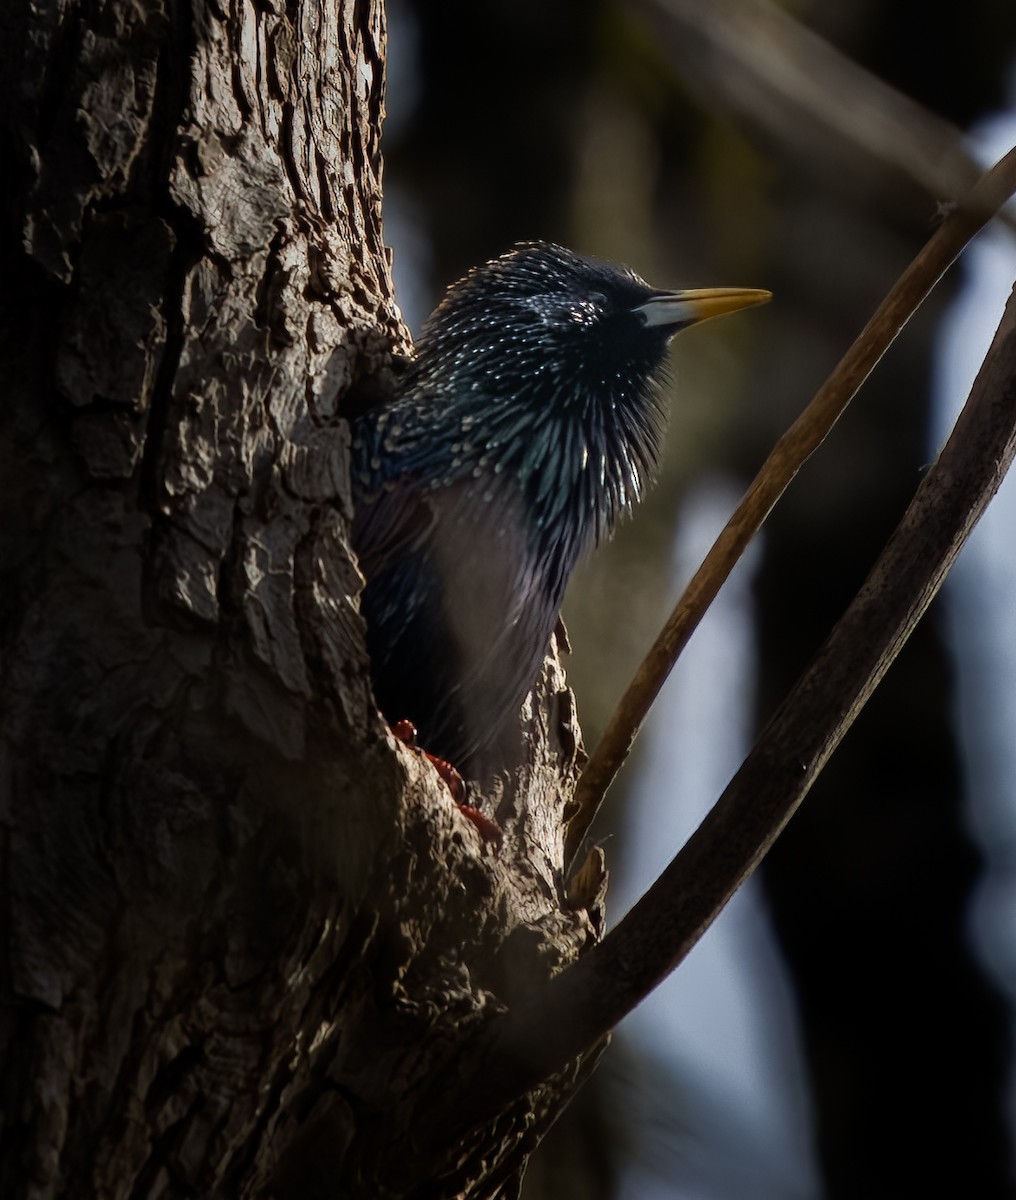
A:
x: 528, y: 422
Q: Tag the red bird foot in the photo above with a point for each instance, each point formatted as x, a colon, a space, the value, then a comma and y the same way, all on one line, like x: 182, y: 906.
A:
x: 489, y: 830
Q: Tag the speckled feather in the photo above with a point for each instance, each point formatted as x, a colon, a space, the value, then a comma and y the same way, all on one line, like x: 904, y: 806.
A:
x: 528, y: 423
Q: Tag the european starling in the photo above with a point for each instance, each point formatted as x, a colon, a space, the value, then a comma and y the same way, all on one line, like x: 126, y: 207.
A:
x: 529, y: 421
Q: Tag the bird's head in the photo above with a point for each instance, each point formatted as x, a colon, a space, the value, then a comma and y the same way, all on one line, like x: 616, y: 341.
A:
x: 572, y: 329
x: 541, y: 367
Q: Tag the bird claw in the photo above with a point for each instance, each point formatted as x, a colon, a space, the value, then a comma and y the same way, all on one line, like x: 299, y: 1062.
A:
x: 405, y: 731
x: 453, y: 780
x: 489, y: 830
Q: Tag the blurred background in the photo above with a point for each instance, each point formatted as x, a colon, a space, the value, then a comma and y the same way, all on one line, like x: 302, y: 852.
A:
x: 846, y: 1028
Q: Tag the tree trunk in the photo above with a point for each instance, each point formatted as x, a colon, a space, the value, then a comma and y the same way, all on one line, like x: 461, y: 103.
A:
x: 247, y: 938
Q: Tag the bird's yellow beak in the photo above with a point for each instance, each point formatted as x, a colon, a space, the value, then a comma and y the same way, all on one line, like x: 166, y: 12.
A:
x: 679, y: 309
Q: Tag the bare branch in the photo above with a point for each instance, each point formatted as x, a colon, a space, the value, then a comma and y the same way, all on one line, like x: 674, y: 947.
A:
x: 786, y: 459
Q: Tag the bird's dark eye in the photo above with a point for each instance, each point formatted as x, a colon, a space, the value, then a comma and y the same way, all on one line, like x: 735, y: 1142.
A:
x: 598, y: 300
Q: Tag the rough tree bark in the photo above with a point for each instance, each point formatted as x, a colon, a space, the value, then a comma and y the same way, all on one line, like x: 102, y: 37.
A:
x: 245, y: 935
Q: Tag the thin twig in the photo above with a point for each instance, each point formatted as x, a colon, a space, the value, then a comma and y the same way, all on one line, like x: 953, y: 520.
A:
x: 786, y: 459
x: 579, y: 1006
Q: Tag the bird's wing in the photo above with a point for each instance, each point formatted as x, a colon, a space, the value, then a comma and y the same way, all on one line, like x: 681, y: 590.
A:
x: 393, y: 522
x: 393, y: 469
x: 459, y: 605
x: 449, y: 590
